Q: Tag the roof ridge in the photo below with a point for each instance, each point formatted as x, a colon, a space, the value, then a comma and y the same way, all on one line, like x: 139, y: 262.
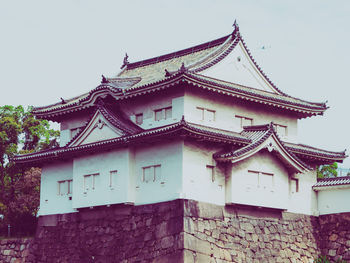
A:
x: 248, y: 147
x: 178, y: 53
x: 269, y: 131
x: 256, y: 127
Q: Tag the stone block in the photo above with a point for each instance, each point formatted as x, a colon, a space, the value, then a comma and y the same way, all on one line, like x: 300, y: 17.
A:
x: 193, y: 243
x: 189, y: 225
x: 176, y: 257
x: 332, y: 252
x: 188, y: 256
x: 167, y: 242
x: 333, y: 237
x: 203, y: 210
x: 49, y: 220
x: 201, y: 258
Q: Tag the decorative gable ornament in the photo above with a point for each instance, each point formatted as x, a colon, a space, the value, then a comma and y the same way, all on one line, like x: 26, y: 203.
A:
x: 97, y: 129
x: 264, y: 137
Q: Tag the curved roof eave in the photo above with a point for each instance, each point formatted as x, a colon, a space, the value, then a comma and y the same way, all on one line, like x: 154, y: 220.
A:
x: 192, y: 129
x: 267, y: 139
x: 218, y: 49
x: 221, y: 87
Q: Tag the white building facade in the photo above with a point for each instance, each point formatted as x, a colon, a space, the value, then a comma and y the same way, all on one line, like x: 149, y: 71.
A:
x: 204, y: 123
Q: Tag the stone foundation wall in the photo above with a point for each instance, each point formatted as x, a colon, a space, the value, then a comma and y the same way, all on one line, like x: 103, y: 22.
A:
x: 181, y: 231
x: 15, y: 250
x: 218, y: 234
x: 150, y: 233
x: 335, y: 236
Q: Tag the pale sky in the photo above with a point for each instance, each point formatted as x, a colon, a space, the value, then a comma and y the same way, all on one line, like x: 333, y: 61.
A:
x: 52, y: 49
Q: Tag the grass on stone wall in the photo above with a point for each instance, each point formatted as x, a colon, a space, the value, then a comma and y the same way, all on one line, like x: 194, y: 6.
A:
x: 325, y: 259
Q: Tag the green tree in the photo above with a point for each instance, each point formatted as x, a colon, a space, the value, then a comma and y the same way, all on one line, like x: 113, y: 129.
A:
x: 327, y: 171
x: 21, y: 132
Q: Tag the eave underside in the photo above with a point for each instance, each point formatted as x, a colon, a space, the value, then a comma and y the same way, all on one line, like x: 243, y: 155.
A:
x: 181, y: 130
x: 298, y: 107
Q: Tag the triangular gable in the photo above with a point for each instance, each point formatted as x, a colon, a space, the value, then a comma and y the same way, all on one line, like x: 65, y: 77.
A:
x: 99, y: 128
x: 270, y: 141
x: 238, y: 67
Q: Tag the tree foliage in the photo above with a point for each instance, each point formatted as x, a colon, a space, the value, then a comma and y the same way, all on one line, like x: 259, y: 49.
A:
x: 327, y: 171
x: 21, y: 132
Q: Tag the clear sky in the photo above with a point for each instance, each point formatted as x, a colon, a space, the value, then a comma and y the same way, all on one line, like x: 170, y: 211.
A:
x: 52, y: 49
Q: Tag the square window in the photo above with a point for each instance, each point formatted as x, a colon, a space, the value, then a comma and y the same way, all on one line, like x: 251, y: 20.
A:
x: 238, y: 120
x: 247, y: 122
x: 62, y: 187
x: 65, y: 187
x: 211, y: 173
x: 112, y: 178
x: 252, y: 179
x: 158, y: 114
x: 139, y: 118
x: 281, y: 129
x: 90, y: 181
x: 205, y: 114
x: 151, y: 174
x: 242, y: 121
x: 157, y: 174
x: 146, y: 174
x: 200, y: 113
x: 94, y: 180
x: 70, y: 187
x: 294, y: 184
x: 266, y: 180
x: 210, y: 115
x: 168, y: 113
x: 87, y: 182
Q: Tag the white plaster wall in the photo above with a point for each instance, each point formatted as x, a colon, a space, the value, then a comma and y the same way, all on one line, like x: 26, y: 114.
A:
x: 102, y: 163
x: 238, y: 68
x: 238, y: 191
x: 226, y: 108
x: 147, y: 104
x: 305, y: 200
x: 197, y: 183
x: 331, y: 201
x: 169, y: 156
x: 50, y: 201
x: 71, y: 123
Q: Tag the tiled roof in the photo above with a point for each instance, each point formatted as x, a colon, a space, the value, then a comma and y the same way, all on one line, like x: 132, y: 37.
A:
x: 258, y: 95
x: 200, y: 81
x: 248, y: 139
x: 182, y: 127
x: 120, y: 121
x: 258, y: 135
x: 329, y: 182
x: 153, y: 69
x: 310, y: 152
x: 117, y: 118
x: 152, y: 73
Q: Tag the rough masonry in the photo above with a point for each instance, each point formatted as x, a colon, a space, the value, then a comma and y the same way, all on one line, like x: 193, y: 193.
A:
x: 181, y: 231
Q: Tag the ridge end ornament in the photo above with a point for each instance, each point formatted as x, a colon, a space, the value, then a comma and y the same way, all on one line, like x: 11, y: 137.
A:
x: 125, y: 61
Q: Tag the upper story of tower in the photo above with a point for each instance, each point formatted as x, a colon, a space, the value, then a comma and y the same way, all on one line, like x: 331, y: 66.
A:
x: 215, y: 84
